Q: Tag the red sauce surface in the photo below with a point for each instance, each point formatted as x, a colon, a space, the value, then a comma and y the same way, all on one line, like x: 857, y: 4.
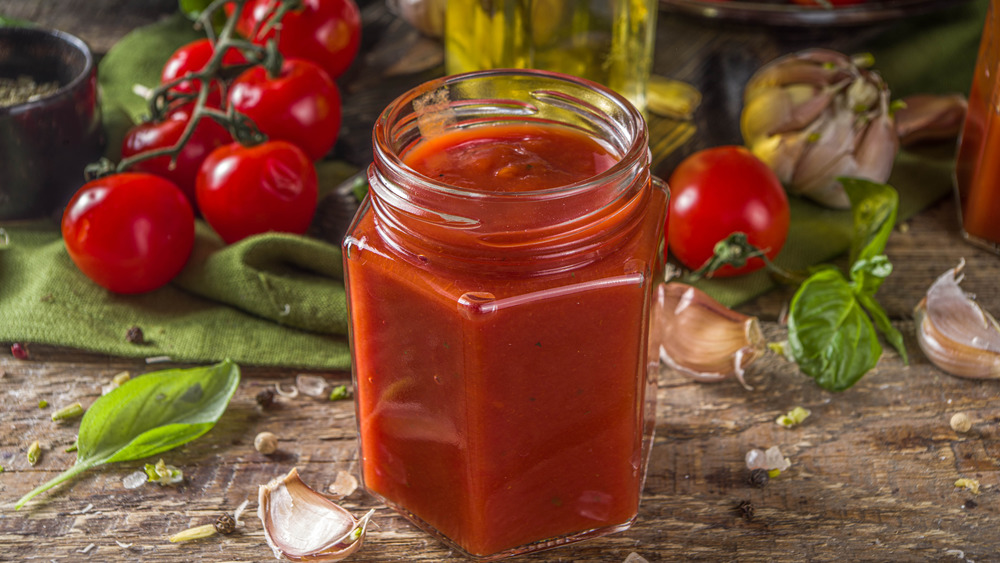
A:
x: 510, y: 158
x: 503, y: 421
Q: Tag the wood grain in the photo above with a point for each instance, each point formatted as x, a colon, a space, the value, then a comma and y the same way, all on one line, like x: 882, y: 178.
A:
x: 872, y: 476
x: 873, y: 468
x: 98, y: 22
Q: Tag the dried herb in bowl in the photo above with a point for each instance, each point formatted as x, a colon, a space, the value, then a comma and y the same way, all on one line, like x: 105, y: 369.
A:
x: 14, y: 91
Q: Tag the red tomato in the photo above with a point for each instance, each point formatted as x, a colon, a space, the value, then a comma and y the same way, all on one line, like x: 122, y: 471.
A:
x: 192, y: 58
x: 301, y: 105
x: 326, y: 32
x: 207, y: 136
x: 129, y: 232
x: 244, y: 191
x: 719, y: 191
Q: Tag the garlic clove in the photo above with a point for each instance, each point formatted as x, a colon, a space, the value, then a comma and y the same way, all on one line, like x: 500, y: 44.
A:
x: 829, y: 155
x: 779, y: 110
x: 301, y: 524
x: 926, y: 117
x: 955, y: 333
x: 700, y: 337
x: 877, y: 149
x: 781, y: 153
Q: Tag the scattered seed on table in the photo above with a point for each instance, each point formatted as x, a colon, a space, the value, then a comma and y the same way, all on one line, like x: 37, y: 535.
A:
x: 265, y: 398
x: 266, y: 443
x: 135, y: 336
x: 746, y: 509
x: 960, y: 422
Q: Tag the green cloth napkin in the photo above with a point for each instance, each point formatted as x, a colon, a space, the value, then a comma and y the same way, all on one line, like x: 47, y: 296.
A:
x: 271, y: 299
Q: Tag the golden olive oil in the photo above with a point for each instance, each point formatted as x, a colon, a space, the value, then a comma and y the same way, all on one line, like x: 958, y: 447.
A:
x: 607, y: 41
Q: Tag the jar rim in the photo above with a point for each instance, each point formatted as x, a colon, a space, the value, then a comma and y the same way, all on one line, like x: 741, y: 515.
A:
x: 637, y: 147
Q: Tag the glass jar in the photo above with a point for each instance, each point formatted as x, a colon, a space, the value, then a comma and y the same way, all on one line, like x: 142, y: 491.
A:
x: 499, y: 336
x: 607, y: 41
x: 977, y: 169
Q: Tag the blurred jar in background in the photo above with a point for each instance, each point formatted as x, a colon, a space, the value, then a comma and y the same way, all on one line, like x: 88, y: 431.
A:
x: 607, y: 41
x: 977, y: 174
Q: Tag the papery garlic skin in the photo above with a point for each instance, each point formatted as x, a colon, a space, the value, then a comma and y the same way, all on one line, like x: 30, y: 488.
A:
x: 818, y: 115
x: 955, y: 333
x: 927, y: 117
x: 700, y: 337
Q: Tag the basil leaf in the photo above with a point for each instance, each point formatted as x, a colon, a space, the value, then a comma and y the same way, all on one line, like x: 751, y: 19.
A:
x: 874, y: 207
x: 829, y: 335
x: 868, y: 274
x: 884, y: 325
x: 148, y: 415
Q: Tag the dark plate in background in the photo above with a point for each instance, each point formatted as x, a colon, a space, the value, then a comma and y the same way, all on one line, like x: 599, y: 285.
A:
x: 784, y: 13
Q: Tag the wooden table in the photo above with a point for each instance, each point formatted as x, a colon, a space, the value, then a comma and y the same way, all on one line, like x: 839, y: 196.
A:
x: 873, y: 468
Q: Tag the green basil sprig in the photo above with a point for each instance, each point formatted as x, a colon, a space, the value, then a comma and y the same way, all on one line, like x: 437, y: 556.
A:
x: 148, y: 415
x: 833, y: 322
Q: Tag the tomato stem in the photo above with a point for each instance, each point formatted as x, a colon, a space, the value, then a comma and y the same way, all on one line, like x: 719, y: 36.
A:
x: 735, y: 250
x: 164, y: 97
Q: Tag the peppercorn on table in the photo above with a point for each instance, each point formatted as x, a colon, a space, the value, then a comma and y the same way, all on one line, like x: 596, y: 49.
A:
x: 880, y: 471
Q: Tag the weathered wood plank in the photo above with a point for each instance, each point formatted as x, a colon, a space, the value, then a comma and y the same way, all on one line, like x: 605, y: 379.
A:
x: 98, y: 22
x: 873, y: 468
x: 872, y: 476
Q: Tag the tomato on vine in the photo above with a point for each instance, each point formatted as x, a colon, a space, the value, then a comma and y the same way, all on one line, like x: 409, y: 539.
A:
x: 718, y: 191
x: 244, y: 191
x: 301, y: 105
x: 129, y: 232
x: 326, y: 32
x: 192, y: 58
x: 207, y: 136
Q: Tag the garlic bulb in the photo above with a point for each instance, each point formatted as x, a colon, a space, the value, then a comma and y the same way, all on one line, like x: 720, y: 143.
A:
x: 955, y: 333
x: 818, y: 115
x: 300, y: 524
x: 700, y: 337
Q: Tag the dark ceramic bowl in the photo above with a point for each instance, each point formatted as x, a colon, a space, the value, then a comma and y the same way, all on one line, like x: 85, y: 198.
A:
x: 46, y: 143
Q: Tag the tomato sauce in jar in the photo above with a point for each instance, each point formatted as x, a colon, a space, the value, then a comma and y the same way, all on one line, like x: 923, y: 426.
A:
x: 499, y: 280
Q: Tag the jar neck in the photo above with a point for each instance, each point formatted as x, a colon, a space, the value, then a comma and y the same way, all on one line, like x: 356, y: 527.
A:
x: 553, y: 228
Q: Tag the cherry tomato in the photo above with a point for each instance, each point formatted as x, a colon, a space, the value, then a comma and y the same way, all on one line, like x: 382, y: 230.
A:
x: 326, y: 32
x: 301, y: 105
x: 192, y: 58
x: 718, y: 191
x: 244, y: 191
x: 130, y: 232
x: 207, y: 136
